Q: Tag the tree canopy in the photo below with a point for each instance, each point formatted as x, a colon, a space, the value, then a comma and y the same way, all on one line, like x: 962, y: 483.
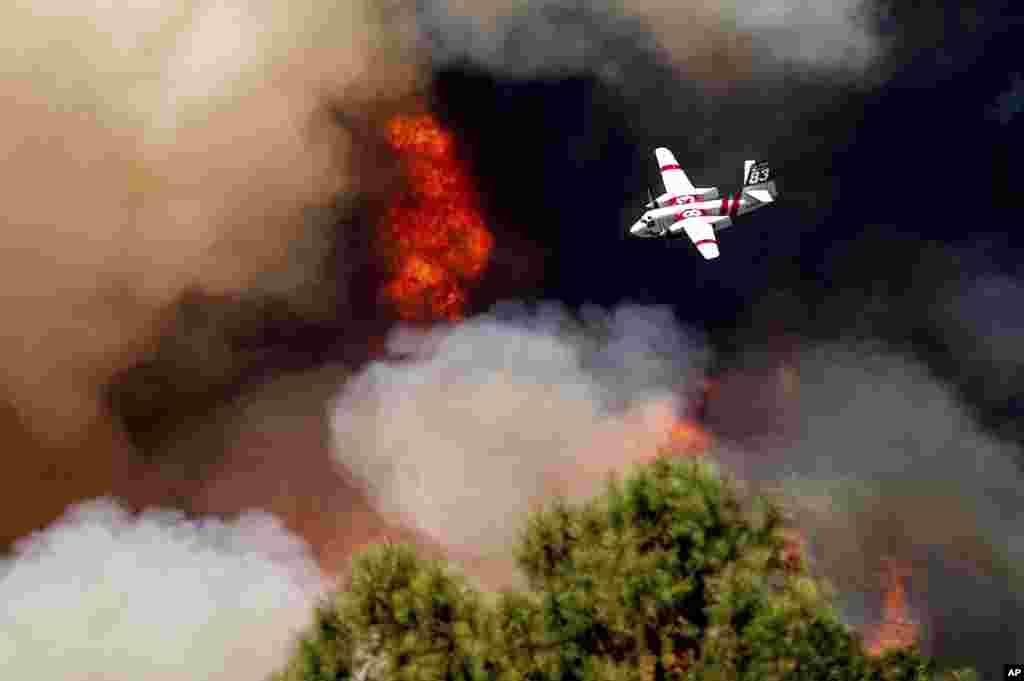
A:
x: 669, y: 575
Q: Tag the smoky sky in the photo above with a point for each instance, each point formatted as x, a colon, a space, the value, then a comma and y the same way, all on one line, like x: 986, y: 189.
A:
x: 564, y: 155
x: 154, y: 149
x: 183, y: 205
x: 883, y: 458
x: 148, y: 152
x: 553, y: 37
x: 953, y: 306
x: 154, y: 155
x: 691, y: 74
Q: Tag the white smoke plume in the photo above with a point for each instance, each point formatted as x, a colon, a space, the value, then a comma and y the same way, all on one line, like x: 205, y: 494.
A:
x: 497, y: 413
x: 104, y: 596
x: 552, y: 37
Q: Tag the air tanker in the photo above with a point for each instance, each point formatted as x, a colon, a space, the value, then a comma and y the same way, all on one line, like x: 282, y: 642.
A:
x: 700, y: 213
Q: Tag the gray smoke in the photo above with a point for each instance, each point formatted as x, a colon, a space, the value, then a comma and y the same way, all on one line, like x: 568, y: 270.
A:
x: 884, y: 461
x: 987, y: 311
x: 104, y: 596
x: 554, y: 37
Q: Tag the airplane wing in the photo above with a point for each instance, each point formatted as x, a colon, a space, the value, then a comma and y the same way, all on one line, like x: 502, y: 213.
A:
x: 676, y: 181
x: 701, y: 232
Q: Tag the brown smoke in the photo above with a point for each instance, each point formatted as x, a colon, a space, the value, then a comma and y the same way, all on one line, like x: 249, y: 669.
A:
x: 146, y: 150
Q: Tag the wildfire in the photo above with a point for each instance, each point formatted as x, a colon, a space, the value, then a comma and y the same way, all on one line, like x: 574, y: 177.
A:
x: 434, y: 236
x: 688, y: 437
x: 896, y: 630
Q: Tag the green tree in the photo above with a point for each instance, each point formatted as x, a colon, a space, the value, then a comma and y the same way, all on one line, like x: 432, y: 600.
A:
x: 669, y: 575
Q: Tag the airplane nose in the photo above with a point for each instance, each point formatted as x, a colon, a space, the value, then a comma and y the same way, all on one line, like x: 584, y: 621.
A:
x: 637, y: 228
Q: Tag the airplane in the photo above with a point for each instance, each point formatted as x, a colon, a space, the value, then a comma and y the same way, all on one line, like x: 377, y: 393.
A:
x: 699, y: 212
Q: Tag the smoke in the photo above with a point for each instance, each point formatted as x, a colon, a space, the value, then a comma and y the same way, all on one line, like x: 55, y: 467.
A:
x: 987, y: 311
x: 827, y: 34
x: 554, y: 37
x: 249, y: 469
x: 102, y: 595
x: 163, y: 65
x: 957, y: 306
x: 1010, y: 103
x: 153, y: 147
x: 885, y: 461
x: 486, y: 418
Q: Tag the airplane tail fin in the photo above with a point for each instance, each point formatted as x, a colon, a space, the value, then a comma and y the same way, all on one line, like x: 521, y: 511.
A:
x: 756, y: 172
x: 758, y: 182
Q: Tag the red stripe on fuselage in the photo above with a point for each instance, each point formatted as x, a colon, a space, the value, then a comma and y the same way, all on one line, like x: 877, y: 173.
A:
x: 680, y: 216
x: 725, y: 206
x: 735, y: 203
x: 705, y: 241
x: 670, y: 166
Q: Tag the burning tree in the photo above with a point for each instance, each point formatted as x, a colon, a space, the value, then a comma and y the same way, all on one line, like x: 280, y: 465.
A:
x: 897, y: 629
x: 669, y: 575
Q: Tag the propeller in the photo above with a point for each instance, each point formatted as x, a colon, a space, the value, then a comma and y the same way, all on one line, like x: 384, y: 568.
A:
x: 650, y: 204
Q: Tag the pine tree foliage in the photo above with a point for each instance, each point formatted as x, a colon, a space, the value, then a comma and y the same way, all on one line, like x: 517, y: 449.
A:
x: 667, y: 576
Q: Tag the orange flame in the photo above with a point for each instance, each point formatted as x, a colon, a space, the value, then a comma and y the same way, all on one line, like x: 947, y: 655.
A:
x: 794, y: 548
x: 897, y: 629
x: 434, y: 236
x: 688, y: 437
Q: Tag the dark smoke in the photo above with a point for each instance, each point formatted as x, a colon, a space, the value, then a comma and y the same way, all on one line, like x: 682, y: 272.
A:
x: 902, y: 437
x: 544, y: 38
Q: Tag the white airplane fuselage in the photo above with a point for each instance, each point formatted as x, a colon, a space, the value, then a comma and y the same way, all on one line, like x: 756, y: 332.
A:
x: 657, y: 222
x: 700, y: 212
